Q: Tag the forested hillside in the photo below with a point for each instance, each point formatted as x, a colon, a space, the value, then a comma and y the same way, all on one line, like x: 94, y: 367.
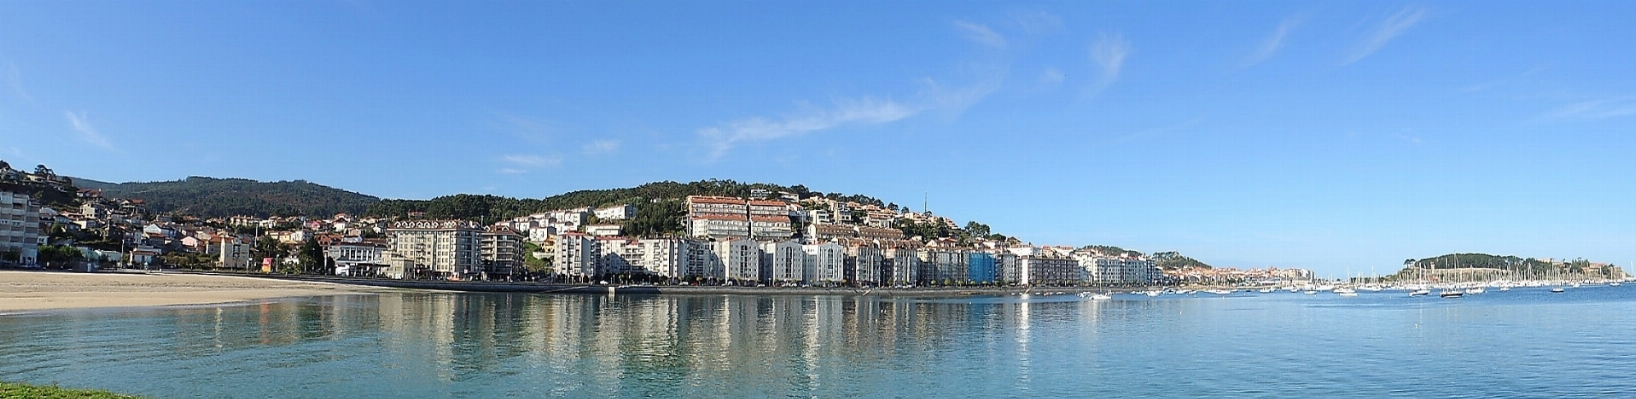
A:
x: 211, y: 197
x: 652, y: 196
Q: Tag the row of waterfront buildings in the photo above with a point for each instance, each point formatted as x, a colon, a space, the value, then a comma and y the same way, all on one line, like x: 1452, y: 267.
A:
x: 742, y: 241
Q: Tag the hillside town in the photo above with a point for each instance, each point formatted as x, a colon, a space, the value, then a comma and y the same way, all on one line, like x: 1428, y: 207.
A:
x: 766, y: 238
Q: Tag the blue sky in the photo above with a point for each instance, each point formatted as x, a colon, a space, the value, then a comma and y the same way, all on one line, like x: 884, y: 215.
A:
x: 1328, y: 135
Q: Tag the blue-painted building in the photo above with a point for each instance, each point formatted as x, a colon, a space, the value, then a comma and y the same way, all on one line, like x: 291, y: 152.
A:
x: 980, y: 267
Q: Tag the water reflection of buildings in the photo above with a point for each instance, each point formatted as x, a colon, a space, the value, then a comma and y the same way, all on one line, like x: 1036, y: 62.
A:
x: 613, y: 345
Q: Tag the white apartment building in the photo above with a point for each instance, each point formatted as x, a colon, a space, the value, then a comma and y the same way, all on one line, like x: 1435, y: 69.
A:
x: 602, y: 230
x: 616, y: 212
x: 902, y: 265
x: 1043, y: 266
x: 502, y: 251
x: 825, y: 263
x: 863, y: 265
x: 19, y: 226
x: 667, y: 257
x: 737, y: 260
x: 771, y: 228
x: 941, y: 265
x: 720, y: 226
x: 432, y: 249
x: 578, y: 255
x: 784, y: 261
x: 351, y: 259
x: 541, y: 234
x: 233, y: 252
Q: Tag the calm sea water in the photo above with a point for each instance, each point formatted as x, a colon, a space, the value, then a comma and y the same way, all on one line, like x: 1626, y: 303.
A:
x: 1521, y: 343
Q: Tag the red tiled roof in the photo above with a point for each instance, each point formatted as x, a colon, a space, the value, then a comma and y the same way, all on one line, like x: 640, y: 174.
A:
x: 705, y: 199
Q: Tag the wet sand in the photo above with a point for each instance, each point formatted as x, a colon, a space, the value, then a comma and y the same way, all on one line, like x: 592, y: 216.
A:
x: 24, y: 291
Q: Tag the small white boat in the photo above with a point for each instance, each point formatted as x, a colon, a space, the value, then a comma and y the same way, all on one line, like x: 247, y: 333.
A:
x: 1613, y: 284
x: 1153, y: 293
x: 1451, y: 294
x: 1310, y: 292
x: 1476, y: 290
x: 1420, y: 292
x: 1556, y: 290
x: 1221, y: 292
x: 1265, y: 291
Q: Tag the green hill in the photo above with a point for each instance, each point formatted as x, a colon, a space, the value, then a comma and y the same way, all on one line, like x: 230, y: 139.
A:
x: 659, y: 205
x: 212, y: 197
x: 1509, y: 266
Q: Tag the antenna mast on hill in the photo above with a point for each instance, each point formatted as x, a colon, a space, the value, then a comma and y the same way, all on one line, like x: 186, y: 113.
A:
x: 925, y: 201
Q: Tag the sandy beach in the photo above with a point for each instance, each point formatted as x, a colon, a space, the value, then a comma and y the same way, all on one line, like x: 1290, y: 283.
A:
x: 22, y: 291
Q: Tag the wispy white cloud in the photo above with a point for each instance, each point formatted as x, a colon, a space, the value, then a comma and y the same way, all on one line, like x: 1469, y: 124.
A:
x: 955, y: 100
x: 511, y: 171
x: 14, y: 80
x: 981, y: 34
x: 534, y: 131
x: 1052, y: 77
x: 1037, y: 22
x: 1596, y: 109
x: 1390, y: 29
x: 602, y: 147
x: 533, y: 160
x: 86, y: 132
x: 868, y: 111
x: 1272, y: 44
x: 1412, y: 140
x: 1109, y: 53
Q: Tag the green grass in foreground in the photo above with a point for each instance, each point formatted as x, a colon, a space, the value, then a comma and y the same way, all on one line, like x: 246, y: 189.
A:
x: 21, y: 391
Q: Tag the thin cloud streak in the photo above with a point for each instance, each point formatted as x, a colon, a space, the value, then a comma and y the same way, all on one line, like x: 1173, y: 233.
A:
x: 1109, y: 53
x: 86, y: 132
x: 14, y: 79
x: 602, y: 147
x: 1596, y: 109
x: 1388, y: 30
x: 1272, y: 44
x: 981, y: 34
x: 1037, y: 22
x: 868, y: 111
x: 1052, y: 77
x: 533, y: 160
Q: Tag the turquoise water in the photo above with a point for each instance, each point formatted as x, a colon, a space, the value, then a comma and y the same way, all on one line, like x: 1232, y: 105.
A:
x: 1521, y: 343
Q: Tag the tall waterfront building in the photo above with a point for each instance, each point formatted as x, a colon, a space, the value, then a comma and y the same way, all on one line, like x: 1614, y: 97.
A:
x: 863, y: 265
x: 900, y: 265
x: 785, y: 262
x: 824, y: 262
x: 502, y: 251
x: 980, y: 267
x: 739, y: 260
x: 432, y: 249
x: 578, y: 255
x: 19, y: 226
